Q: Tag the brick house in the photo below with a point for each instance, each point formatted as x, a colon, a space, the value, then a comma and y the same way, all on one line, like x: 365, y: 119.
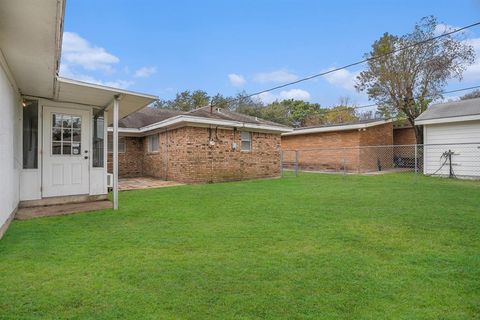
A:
x: 204, y: 145
x: 404, y: 135
x: 341, y: 146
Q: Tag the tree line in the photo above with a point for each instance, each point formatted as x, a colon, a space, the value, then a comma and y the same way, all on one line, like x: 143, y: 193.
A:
x: 290, y: 112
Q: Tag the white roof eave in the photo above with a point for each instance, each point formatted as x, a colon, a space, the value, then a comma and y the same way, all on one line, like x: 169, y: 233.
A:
x: 336, y: 128
x: 447, y: 120
x: 191, y: 120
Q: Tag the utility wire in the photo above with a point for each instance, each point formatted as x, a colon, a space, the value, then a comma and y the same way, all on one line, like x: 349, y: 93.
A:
x: 355, y: 64
x: 364, y: 60
x: 443, y: 92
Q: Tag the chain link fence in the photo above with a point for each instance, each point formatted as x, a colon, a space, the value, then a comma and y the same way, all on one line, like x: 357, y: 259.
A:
x: 446, y: 160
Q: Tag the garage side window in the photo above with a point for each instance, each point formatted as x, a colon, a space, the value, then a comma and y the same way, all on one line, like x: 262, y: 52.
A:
x: 246, y: 138
x: 153, y: 142
x: 121, y: 145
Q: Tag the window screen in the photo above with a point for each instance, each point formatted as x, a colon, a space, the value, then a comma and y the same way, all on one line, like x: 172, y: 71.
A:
x: 153, y: 143
x: 246, y: 138
x: 121, y: 144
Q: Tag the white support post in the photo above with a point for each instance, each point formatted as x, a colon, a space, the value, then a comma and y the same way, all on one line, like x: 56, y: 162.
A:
x: 115, y: 152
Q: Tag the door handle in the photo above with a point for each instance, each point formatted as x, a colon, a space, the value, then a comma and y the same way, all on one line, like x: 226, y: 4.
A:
x: 86, y: 157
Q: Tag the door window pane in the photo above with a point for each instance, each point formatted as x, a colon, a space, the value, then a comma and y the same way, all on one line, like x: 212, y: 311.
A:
x: 76, y: 148
x: 76, y: 135
x: 57, y: 120
x: 67, y: 148
x: 56, y: 148
x: 66, y: 134
x: 57, y: 134
x: 76, y: 122
x: 30, y: 135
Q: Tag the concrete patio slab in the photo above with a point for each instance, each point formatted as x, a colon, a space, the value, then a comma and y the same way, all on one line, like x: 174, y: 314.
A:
x: 125, y: 184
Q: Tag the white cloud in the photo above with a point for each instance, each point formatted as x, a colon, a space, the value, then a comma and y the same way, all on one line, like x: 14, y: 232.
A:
x: 297, y: 94
x: 77, y: 51
x: 66, y: 71
x: 145, y: 72
x: 236, y: 80
x: 342, y: 78
x: 275, y: 76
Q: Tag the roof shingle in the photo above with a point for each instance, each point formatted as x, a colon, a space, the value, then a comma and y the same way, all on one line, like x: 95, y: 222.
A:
x: 451, y: 109
x: 148, y: 116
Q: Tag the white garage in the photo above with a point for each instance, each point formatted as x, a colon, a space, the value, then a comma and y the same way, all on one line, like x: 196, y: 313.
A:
x: 452, y: 139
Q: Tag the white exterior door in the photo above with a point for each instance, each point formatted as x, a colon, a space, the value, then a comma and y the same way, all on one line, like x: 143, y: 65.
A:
x: 66, y: 152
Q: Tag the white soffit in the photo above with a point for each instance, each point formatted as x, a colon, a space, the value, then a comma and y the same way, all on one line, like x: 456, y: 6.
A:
x: 30, y: 40
x: 74, y: 91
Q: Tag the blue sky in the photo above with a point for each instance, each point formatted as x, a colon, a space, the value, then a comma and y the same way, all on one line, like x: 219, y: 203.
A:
x: 163, y: 47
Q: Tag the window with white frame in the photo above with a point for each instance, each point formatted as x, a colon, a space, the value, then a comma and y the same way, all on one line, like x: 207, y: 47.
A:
x: 246, y: 138
x: 121, y: 145
x: 153, y: 143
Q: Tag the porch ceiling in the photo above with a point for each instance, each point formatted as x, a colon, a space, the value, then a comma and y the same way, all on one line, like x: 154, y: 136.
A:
x: 30, y: 40
x: 101, y: 96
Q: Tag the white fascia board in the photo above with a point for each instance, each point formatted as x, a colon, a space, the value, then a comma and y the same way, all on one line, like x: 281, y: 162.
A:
x: 190, y: 120
x: 106, y: 88
x: 336, y: 128
x: 447, y: 120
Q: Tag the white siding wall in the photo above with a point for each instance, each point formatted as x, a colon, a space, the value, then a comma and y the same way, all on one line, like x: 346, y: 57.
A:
x: 462, y: 138
x: 10, y: 147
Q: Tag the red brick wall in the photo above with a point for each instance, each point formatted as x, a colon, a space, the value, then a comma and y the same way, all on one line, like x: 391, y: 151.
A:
x: 371, y: 156
x: 192, y: 159
x: 339, y: 150
x: 185, y: 155
x: 404, y: 136
x: 405, y: 139
x: 130, y: 163
x: 331, y: 157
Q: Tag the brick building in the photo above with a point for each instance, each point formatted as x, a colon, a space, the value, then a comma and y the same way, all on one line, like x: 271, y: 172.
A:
x: 404, y: 135
x: 204, y: 145
x: 341, y: 146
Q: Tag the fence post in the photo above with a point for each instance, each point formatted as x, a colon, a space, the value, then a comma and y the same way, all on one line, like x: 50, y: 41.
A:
x: 296, y: 163
x: 344, y: 162
x: 416, y: 159
x: 281, y: 163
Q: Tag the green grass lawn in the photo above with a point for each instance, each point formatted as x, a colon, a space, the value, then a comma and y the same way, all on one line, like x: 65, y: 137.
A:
x: 312, y: 247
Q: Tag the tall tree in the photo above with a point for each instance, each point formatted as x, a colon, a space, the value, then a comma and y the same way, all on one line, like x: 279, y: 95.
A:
x: 405, y: 82
x: 339, y: 114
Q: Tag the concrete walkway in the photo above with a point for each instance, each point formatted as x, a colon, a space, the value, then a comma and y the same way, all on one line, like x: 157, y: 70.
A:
x: 125, y: 184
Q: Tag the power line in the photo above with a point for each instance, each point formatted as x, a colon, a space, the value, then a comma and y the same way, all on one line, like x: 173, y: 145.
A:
x: 363, y: 61
x: 443, y: 92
